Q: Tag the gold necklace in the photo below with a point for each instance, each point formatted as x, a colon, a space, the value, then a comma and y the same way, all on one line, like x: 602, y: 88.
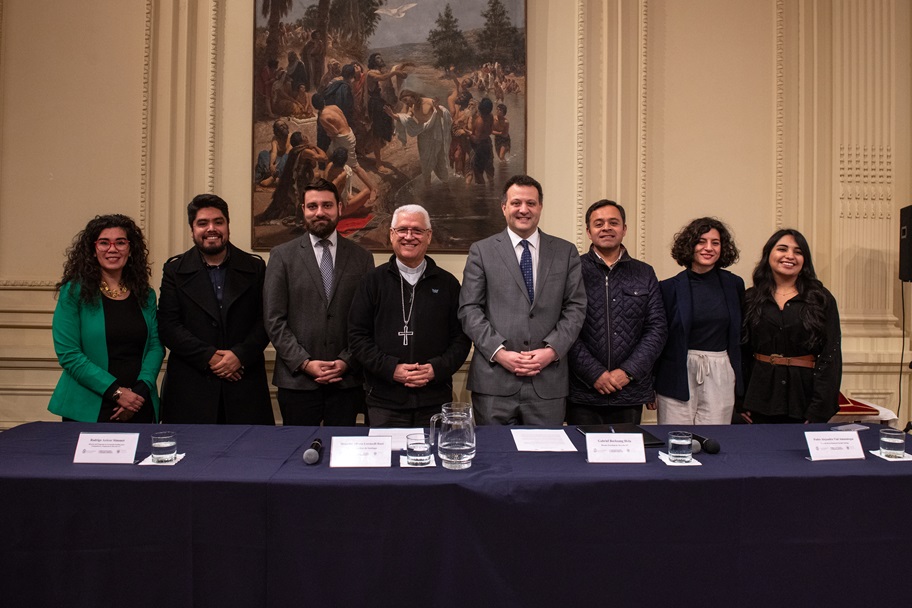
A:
x: 116, y: 293
x: 786, y: 293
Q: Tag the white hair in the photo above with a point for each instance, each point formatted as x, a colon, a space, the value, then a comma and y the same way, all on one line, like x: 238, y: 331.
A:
x: 412, y: 209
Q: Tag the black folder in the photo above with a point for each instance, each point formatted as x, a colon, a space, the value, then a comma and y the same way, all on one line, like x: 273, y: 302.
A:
x: 649, y: 440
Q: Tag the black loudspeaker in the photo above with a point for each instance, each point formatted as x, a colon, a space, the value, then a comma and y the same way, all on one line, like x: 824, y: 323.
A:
x: 905, y: 243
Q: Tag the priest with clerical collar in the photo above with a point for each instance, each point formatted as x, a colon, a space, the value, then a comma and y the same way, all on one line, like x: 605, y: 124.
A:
x: 403, y: 328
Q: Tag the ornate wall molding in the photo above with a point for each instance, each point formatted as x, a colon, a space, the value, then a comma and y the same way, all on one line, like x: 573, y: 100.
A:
x: 866, y: 123
x: 780, y: 113
x: 863, y: 177
x: 641, y: 128
x: 865, y: 182
x: 211, y: 94
x: 11, y: 285
x: 144, y: 159
x: 580, y: 120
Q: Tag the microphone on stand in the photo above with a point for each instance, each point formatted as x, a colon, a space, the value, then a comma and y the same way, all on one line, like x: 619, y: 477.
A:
x: 313, y: 453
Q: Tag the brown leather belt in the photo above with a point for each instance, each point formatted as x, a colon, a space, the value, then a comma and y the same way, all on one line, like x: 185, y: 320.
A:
x: 808, y: 361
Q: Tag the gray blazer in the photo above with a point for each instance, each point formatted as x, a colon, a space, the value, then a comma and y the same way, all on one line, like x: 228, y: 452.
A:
x: 300, y: 322
x: 494, y: 309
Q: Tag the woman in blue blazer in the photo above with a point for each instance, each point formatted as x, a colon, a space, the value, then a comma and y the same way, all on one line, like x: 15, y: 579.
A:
x: 699, y: 372
x: 105, y: 329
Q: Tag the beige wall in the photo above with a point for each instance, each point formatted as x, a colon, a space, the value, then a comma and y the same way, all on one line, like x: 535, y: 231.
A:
x: 763, y: 112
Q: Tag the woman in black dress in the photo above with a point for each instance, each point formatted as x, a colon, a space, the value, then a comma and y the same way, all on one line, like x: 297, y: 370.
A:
x: 793, y: 363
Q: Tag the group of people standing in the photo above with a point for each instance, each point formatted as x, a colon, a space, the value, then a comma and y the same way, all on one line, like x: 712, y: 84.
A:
x: 558, y: 336
x: 773, y: 350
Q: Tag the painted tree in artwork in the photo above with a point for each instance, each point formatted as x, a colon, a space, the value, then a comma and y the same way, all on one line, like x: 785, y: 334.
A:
x: 499, y: 39
x: 353, y: 22
x: 273, y: 11
x: 450, y: 45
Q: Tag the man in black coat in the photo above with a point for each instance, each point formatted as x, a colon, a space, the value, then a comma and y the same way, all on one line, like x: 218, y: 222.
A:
x: 210, y: 316
x: 403, y: 328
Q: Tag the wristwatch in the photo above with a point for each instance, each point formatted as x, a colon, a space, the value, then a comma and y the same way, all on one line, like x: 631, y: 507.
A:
x: 117, y: 394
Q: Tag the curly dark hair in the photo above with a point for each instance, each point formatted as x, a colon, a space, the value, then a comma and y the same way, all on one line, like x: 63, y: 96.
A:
x: 82, y: 266
x: 682, y: 249
x: 813, y: 315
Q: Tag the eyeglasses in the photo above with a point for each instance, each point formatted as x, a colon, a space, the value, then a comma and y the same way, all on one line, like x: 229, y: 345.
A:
x: 417, y: 232
x: 105, y: 244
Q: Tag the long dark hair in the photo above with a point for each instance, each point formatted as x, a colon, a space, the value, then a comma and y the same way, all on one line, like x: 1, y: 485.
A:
x: 82, y: 267
x: 682, y: 250
x: 811, y: 290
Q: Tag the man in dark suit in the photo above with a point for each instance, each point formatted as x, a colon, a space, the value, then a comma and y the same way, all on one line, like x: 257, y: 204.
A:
x: 522, y: 303
x: 210, y: 316
x: 310, y: 284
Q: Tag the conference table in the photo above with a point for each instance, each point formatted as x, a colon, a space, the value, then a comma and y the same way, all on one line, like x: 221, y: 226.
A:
x: 243, y: 521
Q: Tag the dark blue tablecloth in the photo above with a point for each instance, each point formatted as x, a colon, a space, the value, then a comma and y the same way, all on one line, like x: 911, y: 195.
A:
x: 242, y: 521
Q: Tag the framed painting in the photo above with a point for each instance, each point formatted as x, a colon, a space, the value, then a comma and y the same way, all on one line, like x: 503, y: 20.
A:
x: 395, y: 103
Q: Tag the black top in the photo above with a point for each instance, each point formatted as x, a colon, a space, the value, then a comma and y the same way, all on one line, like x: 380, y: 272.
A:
x: 797, y: 392
x: 125, y: 335
x: 217, y: 275
x: 709, y: 328
x: 435, y: 336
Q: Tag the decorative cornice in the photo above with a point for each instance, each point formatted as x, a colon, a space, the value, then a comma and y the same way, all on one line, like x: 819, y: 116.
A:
x: 580, y: 119
x: 780, y: 113
x: 641, y: 128
x: 146, y: 109
x: 12, y: 285
x: 211, y: 92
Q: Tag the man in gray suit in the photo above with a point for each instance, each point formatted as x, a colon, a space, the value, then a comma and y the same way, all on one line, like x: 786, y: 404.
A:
x: 522, y: 303
x: 309, y: 287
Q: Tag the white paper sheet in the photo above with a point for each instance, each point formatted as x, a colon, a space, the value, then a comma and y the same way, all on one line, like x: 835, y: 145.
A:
x: 667, y: 460
x: 542, y: 440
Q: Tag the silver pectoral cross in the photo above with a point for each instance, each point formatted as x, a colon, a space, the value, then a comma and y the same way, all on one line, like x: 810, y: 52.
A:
x: 405, y: 333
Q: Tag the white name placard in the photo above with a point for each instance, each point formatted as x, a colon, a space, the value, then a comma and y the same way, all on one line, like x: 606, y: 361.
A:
x: 834, y: 445
x: 398, y: 435
x: 116, y: 448
x: 615, y: 447
x: 361, y: 452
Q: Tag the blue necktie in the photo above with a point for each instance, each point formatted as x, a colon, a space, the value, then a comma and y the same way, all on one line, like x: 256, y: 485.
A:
x: 525, y: 266
x: 326, y: 267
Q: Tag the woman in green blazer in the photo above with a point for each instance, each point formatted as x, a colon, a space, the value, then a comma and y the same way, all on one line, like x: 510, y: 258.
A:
x: 105, y: 329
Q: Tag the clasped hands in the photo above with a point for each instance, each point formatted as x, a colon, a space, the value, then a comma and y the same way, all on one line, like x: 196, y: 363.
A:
x: 526, y: 363
x: 612, y: 382
x: 413, y: 375
x: 226, y: 365
x: 325, y: 372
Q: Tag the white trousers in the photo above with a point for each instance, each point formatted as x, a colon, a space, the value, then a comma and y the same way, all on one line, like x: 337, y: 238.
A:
x: 711, y: 380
